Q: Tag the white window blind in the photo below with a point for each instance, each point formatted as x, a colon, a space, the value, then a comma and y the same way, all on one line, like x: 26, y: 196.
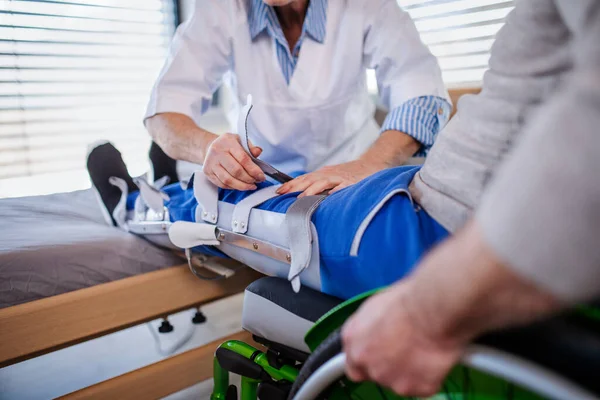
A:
x: 73, y: 72
x: 460, y: 33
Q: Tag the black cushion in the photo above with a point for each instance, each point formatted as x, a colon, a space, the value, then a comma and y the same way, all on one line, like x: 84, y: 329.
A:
x: 307, y: 303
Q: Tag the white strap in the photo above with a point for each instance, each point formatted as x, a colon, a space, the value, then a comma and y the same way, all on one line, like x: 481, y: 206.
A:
x: 120, y: 212
x: 161, y: 182
x: 241, y: 212
x: 207, y: 195
x: 140, y: 207
x: 191, y: 234
x: 151, y: 196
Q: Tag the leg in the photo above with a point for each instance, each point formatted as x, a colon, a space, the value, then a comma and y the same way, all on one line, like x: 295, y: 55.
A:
x: 371, y: 234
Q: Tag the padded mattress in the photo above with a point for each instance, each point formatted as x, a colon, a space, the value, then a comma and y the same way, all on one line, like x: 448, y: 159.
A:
x: 58, y: 243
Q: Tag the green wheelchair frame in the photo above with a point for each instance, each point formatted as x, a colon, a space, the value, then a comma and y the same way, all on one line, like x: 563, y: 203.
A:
x: 284, y: 375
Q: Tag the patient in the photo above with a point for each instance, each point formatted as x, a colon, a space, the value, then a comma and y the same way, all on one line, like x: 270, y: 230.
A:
x: 369, y: 235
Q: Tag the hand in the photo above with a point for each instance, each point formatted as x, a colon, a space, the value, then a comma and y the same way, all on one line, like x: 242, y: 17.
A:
x: 385, y: 343
x: 228, y: 166
x: 408, y: 337
x: 334, y: 177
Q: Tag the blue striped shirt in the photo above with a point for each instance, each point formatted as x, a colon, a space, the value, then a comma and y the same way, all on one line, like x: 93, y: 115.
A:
x: 421, y: 117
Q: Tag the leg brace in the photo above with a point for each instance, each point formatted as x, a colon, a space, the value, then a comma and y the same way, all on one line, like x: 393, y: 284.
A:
x: 276, y: 244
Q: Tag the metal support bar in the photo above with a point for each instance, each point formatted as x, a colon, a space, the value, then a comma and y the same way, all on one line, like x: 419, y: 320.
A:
x: 259, y: 246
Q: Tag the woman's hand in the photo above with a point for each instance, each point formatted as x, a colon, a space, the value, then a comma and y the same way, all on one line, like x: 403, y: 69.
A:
x: 228, y: 166
x: 334, y: 178
x: 391, y: 149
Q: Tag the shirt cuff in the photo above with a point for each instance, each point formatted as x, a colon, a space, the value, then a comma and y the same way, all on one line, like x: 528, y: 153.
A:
x: 422, y: 118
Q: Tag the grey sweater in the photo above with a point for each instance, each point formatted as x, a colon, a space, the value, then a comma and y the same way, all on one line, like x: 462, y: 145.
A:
x: 523, y: 157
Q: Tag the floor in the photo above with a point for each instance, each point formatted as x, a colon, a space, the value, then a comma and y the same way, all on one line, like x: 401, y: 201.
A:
x: 87, y: 363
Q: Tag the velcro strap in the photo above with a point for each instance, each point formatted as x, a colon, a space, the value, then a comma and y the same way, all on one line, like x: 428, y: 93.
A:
x: 297, y: 219
x: 207, y: 195
x: 150, y: 196
x: 161, y: 182
x: 186, y: 234
x: 241, y: 212
x: 120, y: 212
x: 244, y: 125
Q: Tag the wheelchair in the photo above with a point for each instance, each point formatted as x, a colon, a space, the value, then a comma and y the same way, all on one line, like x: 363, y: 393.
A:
x: 302, y: 359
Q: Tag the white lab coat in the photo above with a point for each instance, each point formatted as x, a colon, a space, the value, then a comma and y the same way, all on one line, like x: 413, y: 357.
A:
x: 325, y: 115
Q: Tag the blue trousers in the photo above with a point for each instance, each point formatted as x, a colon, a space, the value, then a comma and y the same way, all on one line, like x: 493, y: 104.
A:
x: 397, y: 236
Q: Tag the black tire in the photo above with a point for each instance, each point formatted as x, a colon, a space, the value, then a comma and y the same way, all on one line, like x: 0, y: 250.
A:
x: 331, y: 347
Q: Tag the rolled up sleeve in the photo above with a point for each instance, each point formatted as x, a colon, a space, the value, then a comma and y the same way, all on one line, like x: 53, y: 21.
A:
x: 541, y: 213
x: 422, y: 118
x: 199, y: 56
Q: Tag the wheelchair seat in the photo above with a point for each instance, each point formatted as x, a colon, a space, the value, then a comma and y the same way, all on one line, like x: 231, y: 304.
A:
x: 273, y: 312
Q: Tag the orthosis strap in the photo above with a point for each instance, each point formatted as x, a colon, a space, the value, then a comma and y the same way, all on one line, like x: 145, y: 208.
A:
x: 241, y: 212
x: 190, y: 234
x: 120, y: 211
x: 150, y: 196
x: 244, y: 125
x: 297, y: 219
x: 207, y: 196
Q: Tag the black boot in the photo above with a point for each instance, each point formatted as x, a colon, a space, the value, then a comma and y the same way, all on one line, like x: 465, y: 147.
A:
x: 162, y: 164
x: 104, y: 162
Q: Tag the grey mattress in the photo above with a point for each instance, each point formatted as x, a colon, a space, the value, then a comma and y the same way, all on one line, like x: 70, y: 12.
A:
x: 58, y: 243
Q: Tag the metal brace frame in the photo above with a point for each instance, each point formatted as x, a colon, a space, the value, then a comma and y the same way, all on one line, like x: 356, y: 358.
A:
x: 259, y: 246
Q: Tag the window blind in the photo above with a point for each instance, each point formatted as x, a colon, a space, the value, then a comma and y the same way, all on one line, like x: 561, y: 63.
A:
x: 460, y: 33
x: 73, y: 72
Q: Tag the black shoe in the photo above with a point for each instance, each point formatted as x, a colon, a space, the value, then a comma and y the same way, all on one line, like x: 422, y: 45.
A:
x: 103, y: 162
x: 162, y: 164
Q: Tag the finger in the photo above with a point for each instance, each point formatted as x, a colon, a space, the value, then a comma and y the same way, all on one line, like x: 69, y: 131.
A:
x: 286, y: 186
x: 230, y: 181
x: 246, y: 162
x: 354, y: 370
x: 427, y: 389
x: 235, y: 169
x: 214, y: 179
x: 339, y: 187
x: 317, y: 187
x: 210, y: 175
x: 298, y: 184
x: 354, y: 373
x: 415, y: 386
x: 256, y: 151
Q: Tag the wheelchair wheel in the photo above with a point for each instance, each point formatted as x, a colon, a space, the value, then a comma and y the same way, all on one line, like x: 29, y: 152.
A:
x: 485, y: 373
x: 331, y: 347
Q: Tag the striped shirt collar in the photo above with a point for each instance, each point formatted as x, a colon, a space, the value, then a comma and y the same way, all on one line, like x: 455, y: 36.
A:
x: 263, y: 17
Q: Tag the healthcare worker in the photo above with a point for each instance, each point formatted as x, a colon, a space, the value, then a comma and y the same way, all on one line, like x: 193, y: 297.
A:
x: 304, y: 63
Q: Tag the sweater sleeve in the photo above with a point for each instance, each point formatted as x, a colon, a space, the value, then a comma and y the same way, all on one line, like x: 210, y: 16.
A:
x: 541, y: 212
